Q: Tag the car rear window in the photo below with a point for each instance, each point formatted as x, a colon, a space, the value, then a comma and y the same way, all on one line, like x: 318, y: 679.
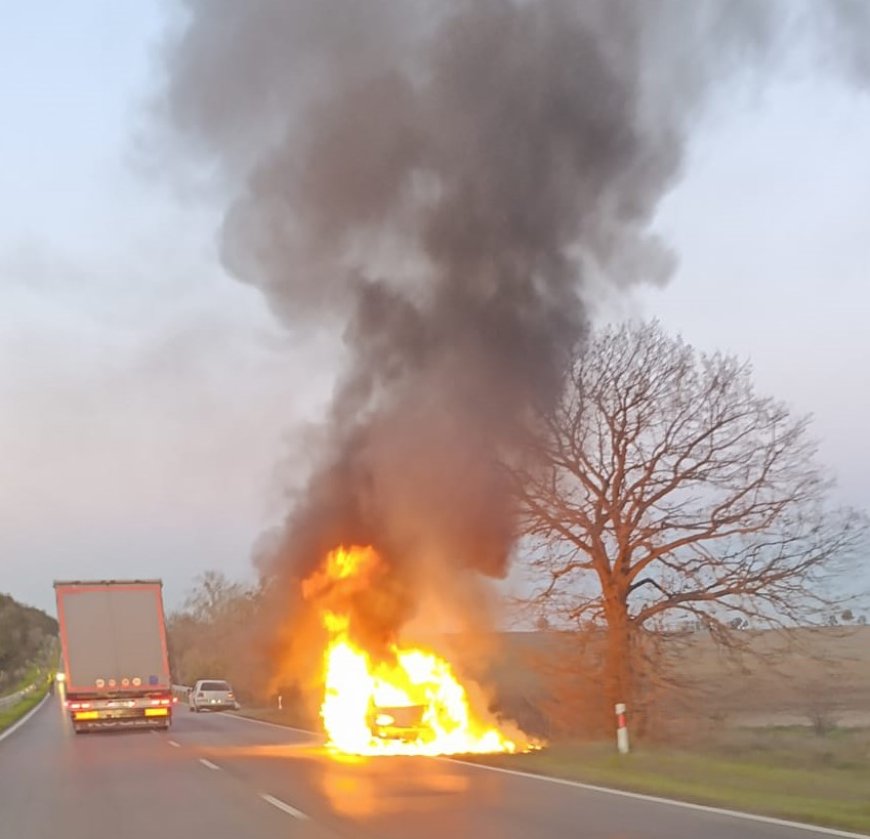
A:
x: 214, y: 686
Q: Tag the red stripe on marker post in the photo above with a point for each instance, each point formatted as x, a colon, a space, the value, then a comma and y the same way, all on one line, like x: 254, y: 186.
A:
x: 621, y: 729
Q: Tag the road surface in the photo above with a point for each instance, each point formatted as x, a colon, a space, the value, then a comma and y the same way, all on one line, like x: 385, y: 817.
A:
x: 221, y: 777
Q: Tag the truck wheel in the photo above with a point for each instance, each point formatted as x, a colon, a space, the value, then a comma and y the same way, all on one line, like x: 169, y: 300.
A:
x: 78, y: 729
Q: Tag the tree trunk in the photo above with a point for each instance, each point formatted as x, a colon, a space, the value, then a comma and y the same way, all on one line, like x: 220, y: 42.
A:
x: 618, y: 675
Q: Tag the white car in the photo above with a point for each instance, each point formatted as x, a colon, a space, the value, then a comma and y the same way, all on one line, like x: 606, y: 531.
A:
x: 212, y: 695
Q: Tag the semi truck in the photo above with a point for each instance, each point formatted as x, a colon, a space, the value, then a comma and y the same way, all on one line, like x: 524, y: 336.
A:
x: 115, y: 657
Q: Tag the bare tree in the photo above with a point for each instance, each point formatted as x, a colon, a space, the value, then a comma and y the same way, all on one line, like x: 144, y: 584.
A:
x: 213, y: 595
x: 215, y: 635
x: 667, y: 496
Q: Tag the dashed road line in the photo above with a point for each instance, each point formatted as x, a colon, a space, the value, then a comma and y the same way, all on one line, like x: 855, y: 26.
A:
x: 208, y: 764
x: 283, y: 806
x: 174, y: 744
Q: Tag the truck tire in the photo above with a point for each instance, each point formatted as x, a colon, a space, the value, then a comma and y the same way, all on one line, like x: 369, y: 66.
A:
x: 79, y: 729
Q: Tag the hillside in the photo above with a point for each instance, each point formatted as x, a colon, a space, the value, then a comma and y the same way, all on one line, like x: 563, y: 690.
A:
x: 26, y: 635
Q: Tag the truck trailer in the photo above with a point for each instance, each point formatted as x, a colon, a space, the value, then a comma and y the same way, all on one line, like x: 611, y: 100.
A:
x: 115, y: 657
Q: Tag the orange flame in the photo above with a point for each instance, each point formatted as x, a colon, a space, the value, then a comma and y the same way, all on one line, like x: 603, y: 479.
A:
x: 410, y: 702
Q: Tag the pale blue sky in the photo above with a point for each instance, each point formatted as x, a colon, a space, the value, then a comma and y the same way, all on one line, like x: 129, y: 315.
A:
x: 149, y: 405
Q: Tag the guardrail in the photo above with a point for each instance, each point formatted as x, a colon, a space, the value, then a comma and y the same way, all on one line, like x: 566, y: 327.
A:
x: 14, y: 698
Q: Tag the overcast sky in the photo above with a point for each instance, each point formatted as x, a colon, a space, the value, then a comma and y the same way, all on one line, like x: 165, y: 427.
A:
x: 150, y: 405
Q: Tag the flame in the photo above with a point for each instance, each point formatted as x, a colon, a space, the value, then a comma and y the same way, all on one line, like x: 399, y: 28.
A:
x: 406, y: 701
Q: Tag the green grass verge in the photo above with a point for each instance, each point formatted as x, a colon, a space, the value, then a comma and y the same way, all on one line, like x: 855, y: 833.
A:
x: 32, y: 675
x: 9, y: 716
x: 834, y: 794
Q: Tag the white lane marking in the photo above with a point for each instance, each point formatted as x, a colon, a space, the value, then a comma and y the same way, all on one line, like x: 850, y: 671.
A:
x: 174, y: 744
x: 24, y: 719
x: 208, y: 764
x: 281, y: 805
x: 670, y: 802
x: 270, y: 724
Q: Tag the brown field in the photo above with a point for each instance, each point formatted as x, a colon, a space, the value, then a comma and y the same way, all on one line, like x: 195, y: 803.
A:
x: 812, y: 676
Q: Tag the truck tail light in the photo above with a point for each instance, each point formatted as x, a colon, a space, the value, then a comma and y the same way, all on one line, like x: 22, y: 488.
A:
x: 74, y: 706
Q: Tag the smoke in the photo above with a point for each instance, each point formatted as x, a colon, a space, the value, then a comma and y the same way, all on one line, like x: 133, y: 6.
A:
x: 442, y: 183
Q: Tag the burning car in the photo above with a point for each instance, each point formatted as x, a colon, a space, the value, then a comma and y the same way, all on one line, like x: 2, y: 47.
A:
x: 396, y: 697
x: 404, y: 723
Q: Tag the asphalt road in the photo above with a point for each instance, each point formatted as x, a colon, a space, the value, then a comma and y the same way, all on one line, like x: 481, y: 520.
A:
x: 220, y: 777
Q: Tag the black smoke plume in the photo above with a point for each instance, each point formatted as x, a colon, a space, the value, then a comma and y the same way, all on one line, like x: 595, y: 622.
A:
x: 447, y: 184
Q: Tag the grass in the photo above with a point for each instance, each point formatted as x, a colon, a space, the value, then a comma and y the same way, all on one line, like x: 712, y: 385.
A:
x: 789, y: 774
x: 9, y: 716
x: 31, y: 676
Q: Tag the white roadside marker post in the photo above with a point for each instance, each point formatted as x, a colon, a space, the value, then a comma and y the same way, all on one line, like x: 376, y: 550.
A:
x: 621, y: 729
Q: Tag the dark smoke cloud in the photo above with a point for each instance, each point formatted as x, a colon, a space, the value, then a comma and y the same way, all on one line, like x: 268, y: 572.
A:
x: 441, y: 181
